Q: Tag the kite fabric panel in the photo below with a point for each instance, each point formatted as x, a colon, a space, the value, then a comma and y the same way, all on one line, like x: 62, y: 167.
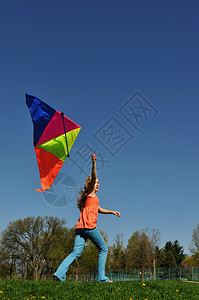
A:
x: 54, y: 136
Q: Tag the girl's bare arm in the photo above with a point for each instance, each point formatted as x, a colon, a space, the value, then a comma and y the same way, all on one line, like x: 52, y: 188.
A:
x: 93, y: 173
x: 106, y: 211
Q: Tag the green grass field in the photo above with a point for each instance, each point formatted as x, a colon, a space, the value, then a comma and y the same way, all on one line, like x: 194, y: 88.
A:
x: 18, y: 290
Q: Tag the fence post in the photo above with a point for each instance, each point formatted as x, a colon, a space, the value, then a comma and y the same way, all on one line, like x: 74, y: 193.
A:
x: 154, y: 270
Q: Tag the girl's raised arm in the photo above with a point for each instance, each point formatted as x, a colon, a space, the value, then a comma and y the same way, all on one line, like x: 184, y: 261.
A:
x: 93, y: 174
x: 94, y: 171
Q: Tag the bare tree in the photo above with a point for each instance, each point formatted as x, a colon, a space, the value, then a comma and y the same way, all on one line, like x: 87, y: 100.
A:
x: 194, y: 247
x: 28, y: 243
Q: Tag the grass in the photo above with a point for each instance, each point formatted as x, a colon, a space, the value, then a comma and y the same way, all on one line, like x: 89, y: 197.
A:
x: 159, y: 290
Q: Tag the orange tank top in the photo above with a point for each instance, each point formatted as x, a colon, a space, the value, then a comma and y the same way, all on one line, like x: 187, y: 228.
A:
x: 88, y: 216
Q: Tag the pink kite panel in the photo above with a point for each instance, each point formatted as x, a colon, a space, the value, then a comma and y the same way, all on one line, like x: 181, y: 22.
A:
x: 55, y: 128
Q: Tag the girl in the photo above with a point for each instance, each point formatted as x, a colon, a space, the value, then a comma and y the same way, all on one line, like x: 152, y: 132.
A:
x: 86, y: 227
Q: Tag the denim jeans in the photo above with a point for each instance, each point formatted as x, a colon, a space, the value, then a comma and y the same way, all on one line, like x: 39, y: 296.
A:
x: 80, y: 240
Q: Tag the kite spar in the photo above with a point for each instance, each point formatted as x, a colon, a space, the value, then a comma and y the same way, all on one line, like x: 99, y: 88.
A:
x: 68, y: 155
x: 54, y: 136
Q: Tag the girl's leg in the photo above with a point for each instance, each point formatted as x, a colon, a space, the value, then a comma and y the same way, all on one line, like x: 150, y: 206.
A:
x: 79, y: 244
x: 95, y: 236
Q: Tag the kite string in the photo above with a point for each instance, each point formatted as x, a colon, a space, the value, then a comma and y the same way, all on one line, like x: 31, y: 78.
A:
x: 68, y: 155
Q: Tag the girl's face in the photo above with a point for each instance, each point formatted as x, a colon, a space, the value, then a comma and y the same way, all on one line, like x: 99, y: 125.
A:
x: 96, y: 186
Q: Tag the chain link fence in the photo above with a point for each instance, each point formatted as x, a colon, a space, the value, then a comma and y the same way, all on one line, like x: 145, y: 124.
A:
x: 188, y: 273
x: 184, y: 273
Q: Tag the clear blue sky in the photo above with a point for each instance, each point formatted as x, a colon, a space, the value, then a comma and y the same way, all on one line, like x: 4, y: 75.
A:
x: 87, y: 58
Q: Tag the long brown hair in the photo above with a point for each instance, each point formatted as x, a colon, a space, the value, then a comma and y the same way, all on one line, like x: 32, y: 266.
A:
x: 83, y: 194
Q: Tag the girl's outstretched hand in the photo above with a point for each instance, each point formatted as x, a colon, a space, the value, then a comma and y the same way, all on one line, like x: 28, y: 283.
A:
x: 116, y: 213
x: 93, y: 157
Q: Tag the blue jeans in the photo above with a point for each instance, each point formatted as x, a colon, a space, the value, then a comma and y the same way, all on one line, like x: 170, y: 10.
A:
x: 80, y: 240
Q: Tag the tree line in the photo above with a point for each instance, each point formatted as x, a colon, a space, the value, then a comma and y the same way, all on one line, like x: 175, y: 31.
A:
x: 33, y: 248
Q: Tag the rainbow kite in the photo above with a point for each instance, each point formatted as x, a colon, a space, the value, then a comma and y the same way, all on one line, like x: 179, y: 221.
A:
x: 54, y: 135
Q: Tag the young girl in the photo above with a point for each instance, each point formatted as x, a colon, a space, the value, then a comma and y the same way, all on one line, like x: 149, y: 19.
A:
x: 86, y: 227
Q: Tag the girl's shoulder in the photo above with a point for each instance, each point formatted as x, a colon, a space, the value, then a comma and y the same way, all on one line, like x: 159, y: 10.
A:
x: 91, y: 196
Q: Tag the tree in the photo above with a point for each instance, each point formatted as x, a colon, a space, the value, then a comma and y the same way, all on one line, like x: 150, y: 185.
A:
x: 28, y: 243
x: 166, y: 259
x: 194, y: 246
x: 193, y: 260
x: 117, y: 254
x: 141, y: 250
x: 171, y: 255
x: 5, y: 268
x: 177, y: 251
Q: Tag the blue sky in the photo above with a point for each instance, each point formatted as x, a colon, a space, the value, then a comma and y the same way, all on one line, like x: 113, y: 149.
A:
x: 88, y: 58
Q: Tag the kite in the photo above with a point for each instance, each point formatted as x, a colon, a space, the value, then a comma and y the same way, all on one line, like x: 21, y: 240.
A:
x: 54, y: 136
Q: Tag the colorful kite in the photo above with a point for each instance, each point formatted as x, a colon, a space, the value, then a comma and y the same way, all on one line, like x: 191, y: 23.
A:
x: 54, y: 135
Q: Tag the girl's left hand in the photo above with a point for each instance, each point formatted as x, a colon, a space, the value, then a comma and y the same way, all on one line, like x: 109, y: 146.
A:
x: 116, y: 213
x: 93, y: 157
